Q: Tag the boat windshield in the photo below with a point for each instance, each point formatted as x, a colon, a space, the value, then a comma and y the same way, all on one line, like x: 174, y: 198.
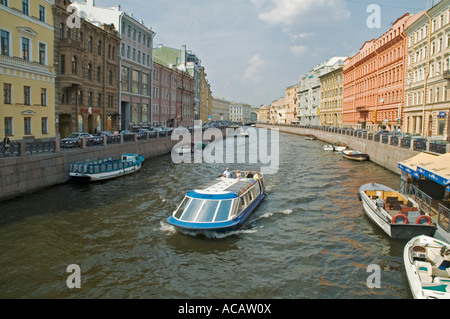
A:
x: 203, y: 211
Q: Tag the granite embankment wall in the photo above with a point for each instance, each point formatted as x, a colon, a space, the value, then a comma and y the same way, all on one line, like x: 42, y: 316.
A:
x: 20, y: 175
x: 382, y: 154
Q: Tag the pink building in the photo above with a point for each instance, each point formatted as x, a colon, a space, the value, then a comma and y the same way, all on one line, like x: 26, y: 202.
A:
x: 374, y: 80
x: 172, y: 97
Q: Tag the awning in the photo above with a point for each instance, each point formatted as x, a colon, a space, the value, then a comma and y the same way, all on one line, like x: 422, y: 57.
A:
x: 410, y: 165
x: 437, y: 170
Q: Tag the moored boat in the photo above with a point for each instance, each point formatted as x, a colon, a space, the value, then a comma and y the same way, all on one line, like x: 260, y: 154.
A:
x: 220, y: 205
x: 328, y: 148
x: 355, y: 155
x: 427, y: 265
x: 397, y: 215
x: 310, y: 137
x: 106, y: 168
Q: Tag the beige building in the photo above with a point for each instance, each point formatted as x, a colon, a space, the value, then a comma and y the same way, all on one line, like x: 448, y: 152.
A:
x: 427, y: 102
x: 291, y: 104
x: 263, y: 114
x: 220, y: 109
x: 278, y: 111
x: 331, y: 83
x: 206, y: 99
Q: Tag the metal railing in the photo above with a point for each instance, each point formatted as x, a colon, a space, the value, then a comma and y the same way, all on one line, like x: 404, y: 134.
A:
x: 421, y: 198
x: 444, y: 217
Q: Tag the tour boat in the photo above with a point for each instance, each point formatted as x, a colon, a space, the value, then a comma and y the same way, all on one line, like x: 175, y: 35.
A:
x: 397, y: 215
x: 106, y: 168
x: 355, y: 155
x: 222, y: 204
x: 427, y: 265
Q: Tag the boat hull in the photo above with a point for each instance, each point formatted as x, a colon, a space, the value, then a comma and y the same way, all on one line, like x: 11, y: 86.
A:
x: 355, y: 156
x: 437, y: 288
x: 381, y: 219
x: 100, y: 173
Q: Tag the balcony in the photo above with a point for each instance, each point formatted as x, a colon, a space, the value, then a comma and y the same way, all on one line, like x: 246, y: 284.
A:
x: 27, y: 66
x: 446, y: 75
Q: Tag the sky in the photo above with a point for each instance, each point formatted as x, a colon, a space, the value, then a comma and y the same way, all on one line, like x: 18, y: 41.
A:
x: 252, y: 50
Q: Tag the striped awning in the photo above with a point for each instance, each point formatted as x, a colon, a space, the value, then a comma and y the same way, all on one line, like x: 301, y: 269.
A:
x: 438, y: 170
x: 411, y: 165
x: 433, y: 167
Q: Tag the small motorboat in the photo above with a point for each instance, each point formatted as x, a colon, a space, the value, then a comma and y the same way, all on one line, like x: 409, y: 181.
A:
x: 396, y: 214
x: 427, y: 265
x: 328, y: 148
x: 355, y: 155
x: 310, y: 137
x: 106, y: 168
x: 220, y: 205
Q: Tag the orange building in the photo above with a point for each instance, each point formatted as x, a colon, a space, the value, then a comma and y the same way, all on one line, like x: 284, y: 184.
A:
x: 374, y: 80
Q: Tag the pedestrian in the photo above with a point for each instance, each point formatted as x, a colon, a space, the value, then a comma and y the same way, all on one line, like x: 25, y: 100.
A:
x: 256, y: 176
x: 249, y: 174
x: 6, y: 145
x: 227, y: 173
x: 238, y: 174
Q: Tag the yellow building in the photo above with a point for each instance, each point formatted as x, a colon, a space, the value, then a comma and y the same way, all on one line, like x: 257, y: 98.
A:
x: 27, y: 77
x: 206, y: 98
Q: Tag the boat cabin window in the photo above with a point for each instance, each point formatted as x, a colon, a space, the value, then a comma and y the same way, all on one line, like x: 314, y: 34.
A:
x: 203, y: 211
x: 192, y: 210
x: 206, y: 215
x: 182, y: 207
x: 223, y: 211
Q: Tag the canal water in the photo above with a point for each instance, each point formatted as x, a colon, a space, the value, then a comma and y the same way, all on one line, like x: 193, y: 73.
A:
x: 309, y: 238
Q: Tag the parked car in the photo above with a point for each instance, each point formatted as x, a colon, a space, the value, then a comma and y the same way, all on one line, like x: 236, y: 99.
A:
x: 74, y: 140
x: 98, y: 138
x: 126, y: 132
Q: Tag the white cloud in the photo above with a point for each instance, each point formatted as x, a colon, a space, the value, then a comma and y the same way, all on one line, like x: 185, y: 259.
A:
x: 256, y: 63
x: 292, y: 13
x: 299, y: 50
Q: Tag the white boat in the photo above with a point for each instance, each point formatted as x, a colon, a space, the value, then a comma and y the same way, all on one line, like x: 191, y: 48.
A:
x: 427, y: 265
x: 310, y: 137
x: 355, y: 155
x: 106, y: 168
x: 397, y: 215
x: 222, y: 204
x: 328, y: 148
x: 340, y: 148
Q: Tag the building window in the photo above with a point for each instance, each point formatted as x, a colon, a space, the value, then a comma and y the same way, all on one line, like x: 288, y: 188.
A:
x: 68, y: 32
x: 42, y: 53
x: 4, y: 42
x: 9, y: 126
x: 74, y: 65
x: 26, y: 49
x: 128, y: 51
x: 62, y: 62
x: 25, y: 7
x: 90, y: 44
x: 80, y: 36
x: 44, y: 97
x: 44, y: 125
x: 89, y: 72
x: 135, y: 82
x: 27, y: 95
x: 99, y: 74
x: 145, y: 87
x: 99, y: 100
x: 110, y: 77
x: 99, y: 48
x: 27, y: 126
x: 4, y: 2
x: 61, y: 30
x: 6, y: 93
x: 124, y: 81
x: 42, y: 13
x: 90, y: 98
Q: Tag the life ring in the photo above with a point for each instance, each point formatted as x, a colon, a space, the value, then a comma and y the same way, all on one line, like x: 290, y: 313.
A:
x: 403, y: 219
x: 423, y: 217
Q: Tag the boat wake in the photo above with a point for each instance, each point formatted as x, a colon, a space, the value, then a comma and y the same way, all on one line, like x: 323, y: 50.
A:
x: 170, y: 230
